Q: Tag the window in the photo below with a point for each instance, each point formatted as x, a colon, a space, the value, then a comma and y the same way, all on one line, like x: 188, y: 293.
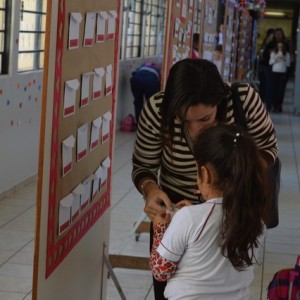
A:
x: 154, y: 27
x: 143, y: 28
x: 5, y: 10
x: 134, y: 28
x: 32, y: 35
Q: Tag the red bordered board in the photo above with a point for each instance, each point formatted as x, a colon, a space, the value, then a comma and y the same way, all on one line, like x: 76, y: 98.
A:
x: 86, y: 56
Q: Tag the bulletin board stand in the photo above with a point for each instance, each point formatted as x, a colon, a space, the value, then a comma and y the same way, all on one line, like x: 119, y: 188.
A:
x: 178, y: 36
x: 208, y: 28
x: 228, y: 42
x: 244, y: 44
x: 76, y: 149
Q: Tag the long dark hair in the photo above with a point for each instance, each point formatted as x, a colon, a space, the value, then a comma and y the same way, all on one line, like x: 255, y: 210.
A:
x: 283, y: 39
x: 190, y: 82
x: 242, y: 179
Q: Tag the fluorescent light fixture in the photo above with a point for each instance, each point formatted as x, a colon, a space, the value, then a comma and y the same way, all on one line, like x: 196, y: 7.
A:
x: 274, y: 13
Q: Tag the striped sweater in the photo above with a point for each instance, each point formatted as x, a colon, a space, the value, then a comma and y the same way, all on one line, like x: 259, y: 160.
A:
x: 175, y: 168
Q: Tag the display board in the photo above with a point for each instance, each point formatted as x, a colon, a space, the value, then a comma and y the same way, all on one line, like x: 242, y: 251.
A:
x: 178, y: 34
x: 208, y: 29
x: 233, y: 69
x: 229, y: 40
x: 244, y: 44
x: 79, y: 98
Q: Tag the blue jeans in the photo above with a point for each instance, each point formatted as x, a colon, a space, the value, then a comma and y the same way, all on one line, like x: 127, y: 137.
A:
x: 143, y: 84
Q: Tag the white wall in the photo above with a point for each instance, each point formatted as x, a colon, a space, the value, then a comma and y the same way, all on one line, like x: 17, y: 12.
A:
x: 297, y: 74
x: 20, y: 104
x: 20, y: 100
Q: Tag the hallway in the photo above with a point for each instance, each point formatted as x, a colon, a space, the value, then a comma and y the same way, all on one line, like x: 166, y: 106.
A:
x: 282, y: 243
x: 17, y: 215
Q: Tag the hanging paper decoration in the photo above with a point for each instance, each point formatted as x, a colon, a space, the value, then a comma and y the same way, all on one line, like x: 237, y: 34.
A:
x: 257, y: 5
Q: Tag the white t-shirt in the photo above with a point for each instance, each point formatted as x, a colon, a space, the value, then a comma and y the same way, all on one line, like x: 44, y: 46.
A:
x: 202, y: 272
x: 279, y: 62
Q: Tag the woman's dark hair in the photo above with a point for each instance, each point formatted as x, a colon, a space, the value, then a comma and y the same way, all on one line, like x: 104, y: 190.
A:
x: 190, y: 82
x: 280, y: 39
x: 243, y: 181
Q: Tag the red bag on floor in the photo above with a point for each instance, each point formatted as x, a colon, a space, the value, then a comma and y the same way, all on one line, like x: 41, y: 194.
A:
x: 128, y: 124
x: 285, y: 284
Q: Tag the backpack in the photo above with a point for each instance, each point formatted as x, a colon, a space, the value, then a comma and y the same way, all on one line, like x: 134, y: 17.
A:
x: 128, y: 124
x: 285, y: 284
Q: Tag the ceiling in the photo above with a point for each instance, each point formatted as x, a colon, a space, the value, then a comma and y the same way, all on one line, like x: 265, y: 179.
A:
x: 288, y: 7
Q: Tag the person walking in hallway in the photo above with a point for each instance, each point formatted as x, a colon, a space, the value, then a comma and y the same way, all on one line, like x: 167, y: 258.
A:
x: 280, y: 62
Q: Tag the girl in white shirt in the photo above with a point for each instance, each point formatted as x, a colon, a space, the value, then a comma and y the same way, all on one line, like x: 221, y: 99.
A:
x: 280, y: 61
x: 208, y: 250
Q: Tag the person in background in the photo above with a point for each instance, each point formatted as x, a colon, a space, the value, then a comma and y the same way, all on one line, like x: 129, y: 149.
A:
x: 208, y: 250
x: 280, y: 62
x: 220, y: 35
x: 265, y: 70
x: 217, y: 57
x: 195, y: 50
x: 279, y: 37
x: 144, y: 83
x: 195, y: 98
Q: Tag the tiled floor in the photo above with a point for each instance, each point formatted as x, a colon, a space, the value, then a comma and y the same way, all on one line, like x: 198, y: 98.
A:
x: 17, y: 215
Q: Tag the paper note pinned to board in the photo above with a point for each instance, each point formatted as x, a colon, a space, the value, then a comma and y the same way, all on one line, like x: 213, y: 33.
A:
x: 89, y: 32
x: 74, y: 25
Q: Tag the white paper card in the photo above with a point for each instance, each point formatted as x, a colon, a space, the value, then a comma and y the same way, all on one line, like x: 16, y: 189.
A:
x: 96, y: 182
x: 174, y: 53
x: 86, y: 196
x: 85, y: 89
x: 112, y: 15
x: 64, y: 218
x: 95, y: 133
x: 71, y: 87
x: 184, y: 9
x: 97, y: 83
x: 106, y: 126
x: 67, y: 151
x: 191, y: 5
x: 89, y: 29
x: 75, y: 211
x: 108, y: 81
x: 176, y: 29
x: 75, y: 20
x: 104, y: 171
x: 101, y: 26
x: 82, y: 141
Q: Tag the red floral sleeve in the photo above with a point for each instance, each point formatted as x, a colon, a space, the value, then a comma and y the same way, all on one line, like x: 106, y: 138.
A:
x: 162, y: 269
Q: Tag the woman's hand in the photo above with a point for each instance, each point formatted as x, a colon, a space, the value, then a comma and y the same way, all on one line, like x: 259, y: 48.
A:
x: 183, y: 203
x: 156, y: 201
x: 165, y: 218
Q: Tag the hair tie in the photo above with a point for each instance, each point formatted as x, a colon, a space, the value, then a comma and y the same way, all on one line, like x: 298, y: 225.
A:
x: 237, y: 136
